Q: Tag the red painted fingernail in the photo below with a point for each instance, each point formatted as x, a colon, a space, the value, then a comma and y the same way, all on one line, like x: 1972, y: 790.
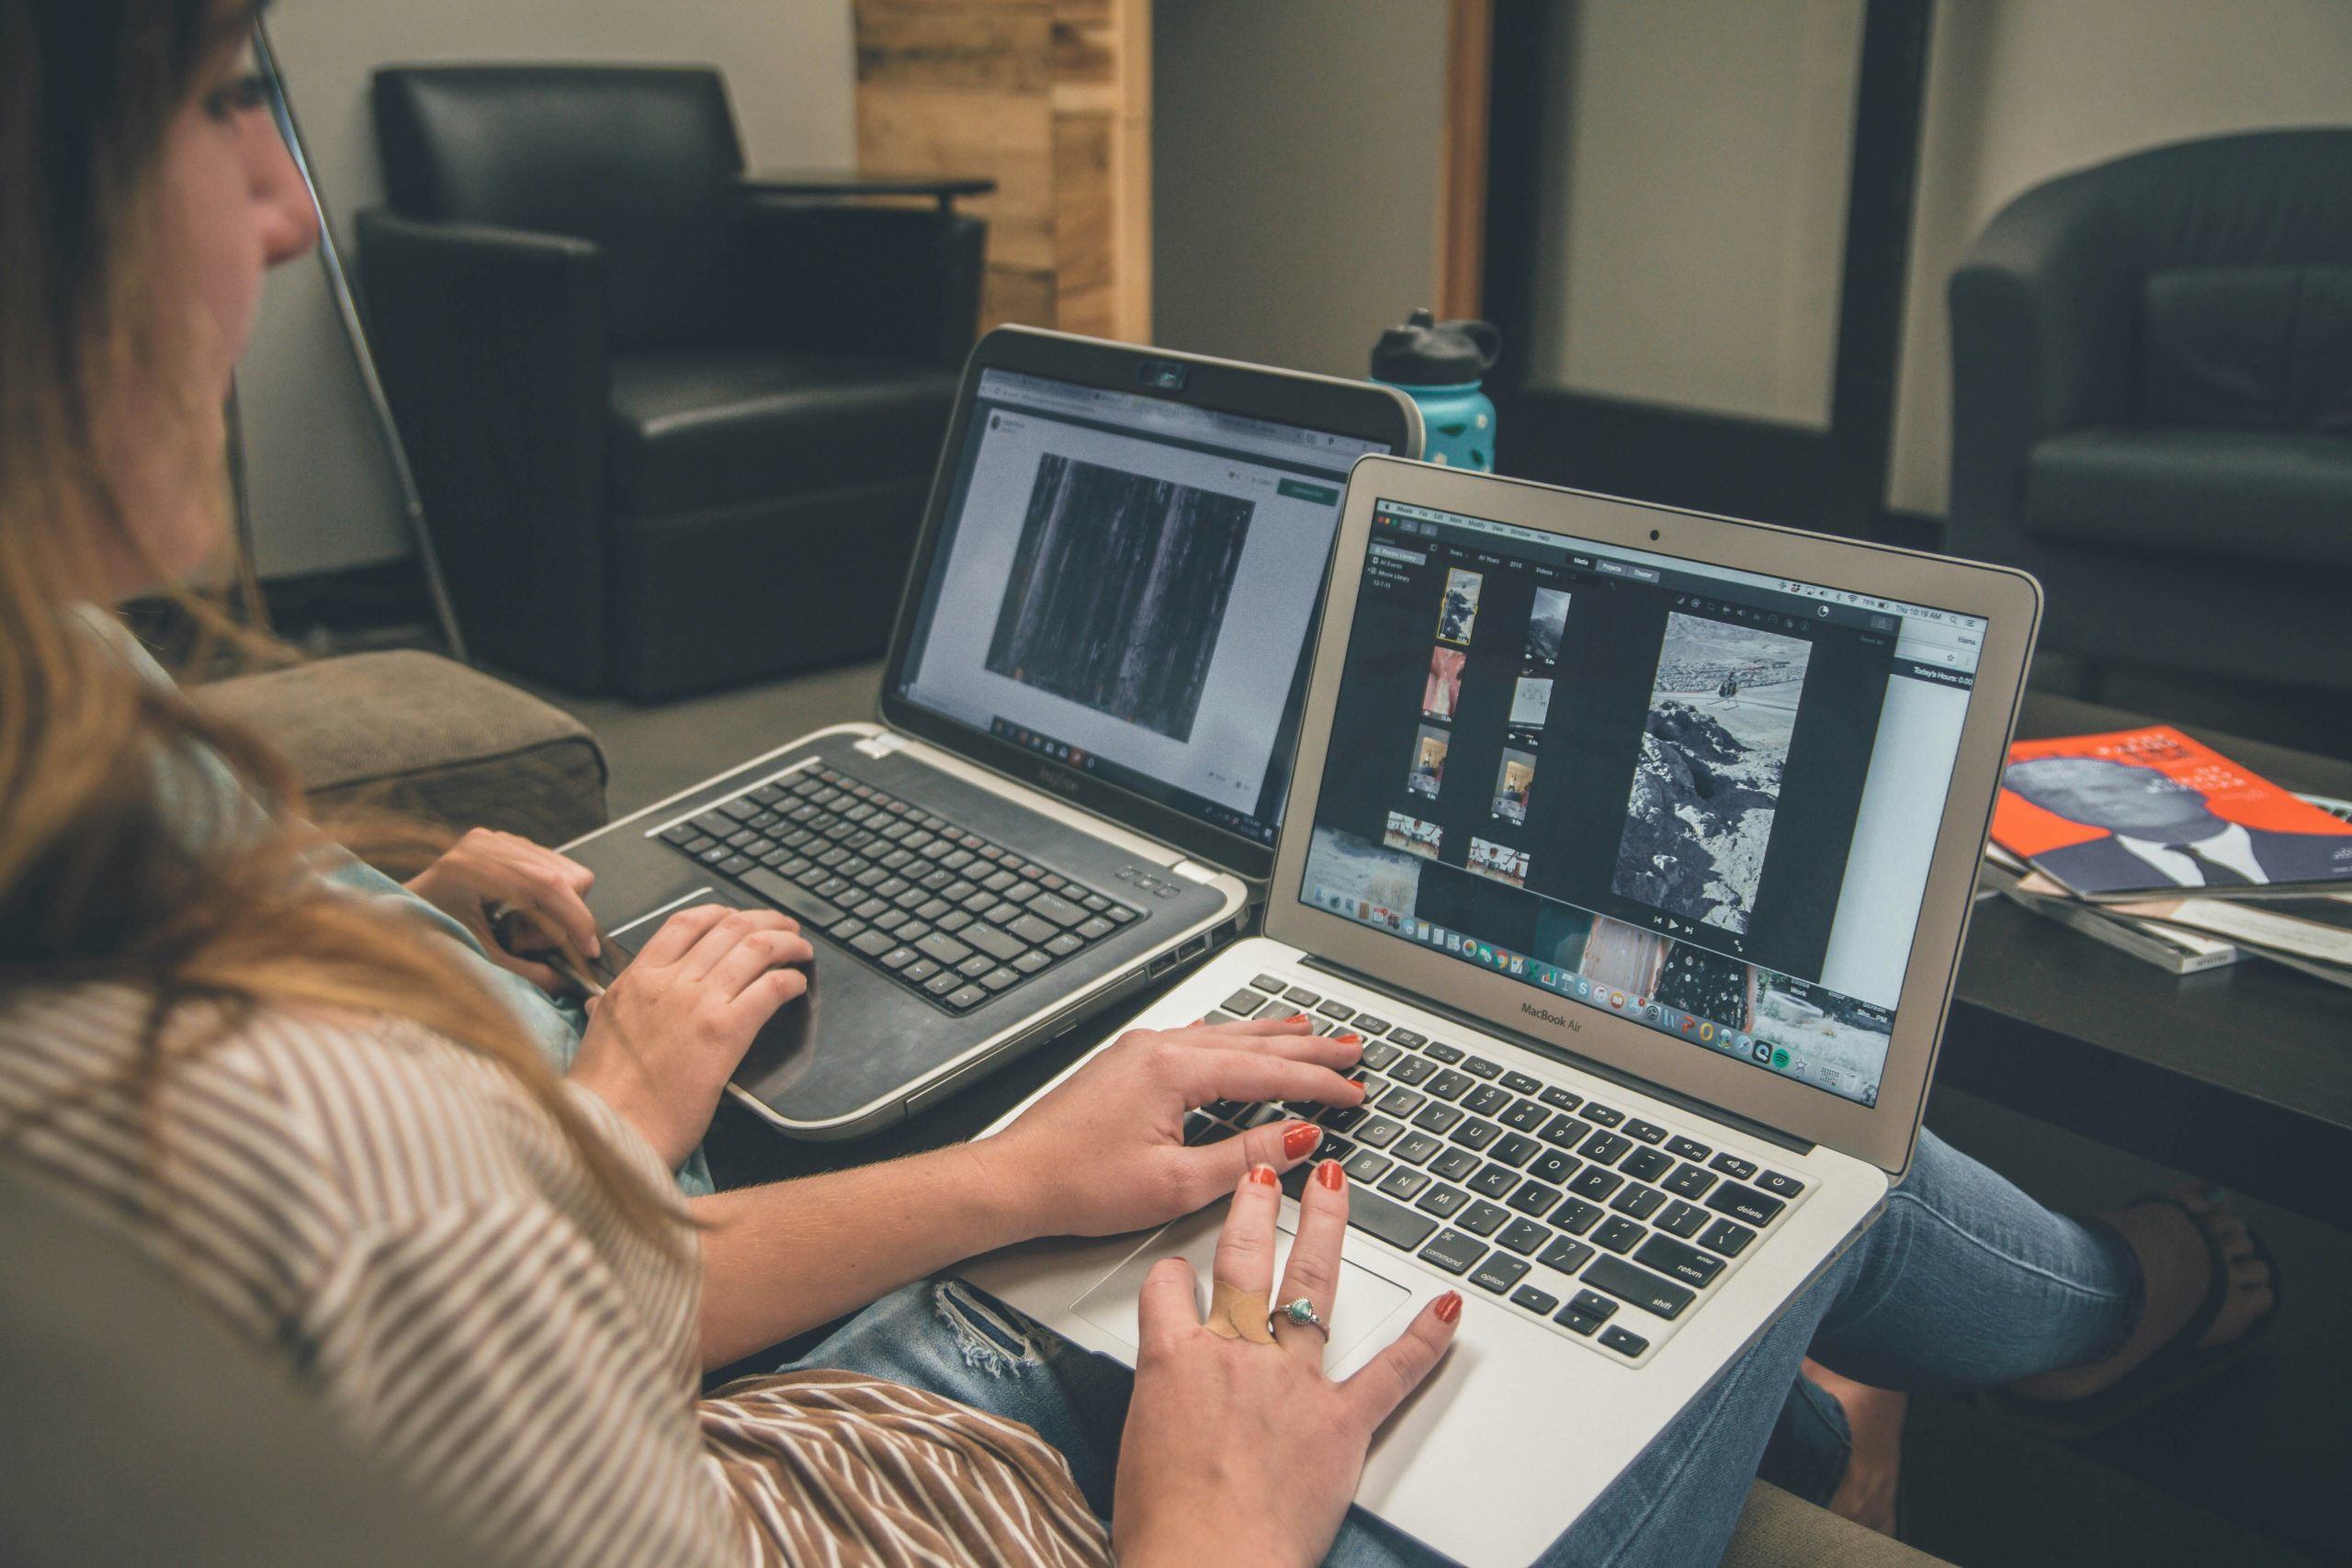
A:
x: 1329, y: 1174
x: 1299, y: 1137
x: 1263, y: 1174
x: 1449, y: 1307
x: 1350, y: 1039
x: 1296, y: 1018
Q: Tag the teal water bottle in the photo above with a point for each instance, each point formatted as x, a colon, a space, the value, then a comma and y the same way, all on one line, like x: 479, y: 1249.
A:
x: 1440, y: 365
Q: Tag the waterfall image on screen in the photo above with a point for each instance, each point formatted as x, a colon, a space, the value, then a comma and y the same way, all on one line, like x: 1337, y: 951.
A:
x: 1118, y: 589
x: 1700, y: 817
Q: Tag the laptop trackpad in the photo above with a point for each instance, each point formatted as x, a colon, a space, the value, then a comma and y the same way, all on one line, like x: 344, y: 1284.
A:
x: 1365, y: 1300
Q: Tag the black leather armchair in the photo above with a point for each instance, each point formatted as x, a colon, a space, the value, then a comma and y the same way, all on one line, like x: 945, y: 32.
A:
x: 2152, y: 405
x: 669, y: 435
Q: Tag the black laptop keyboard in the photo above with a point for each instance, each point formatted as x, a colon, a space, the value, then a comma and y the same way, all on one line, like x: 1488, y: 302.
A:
x: 1568, y: 1209
x: 944, y: 913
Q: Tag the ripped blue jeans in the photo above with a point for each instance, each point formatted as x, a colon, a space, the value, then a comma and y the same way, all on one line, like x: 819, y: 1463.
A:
x: 1963, y: 1282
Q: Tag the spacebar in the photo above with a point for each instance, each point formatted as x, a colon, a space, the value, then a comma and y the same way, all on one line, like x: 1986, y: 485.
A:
x: 812, y: 910
x: 1392, y: 1223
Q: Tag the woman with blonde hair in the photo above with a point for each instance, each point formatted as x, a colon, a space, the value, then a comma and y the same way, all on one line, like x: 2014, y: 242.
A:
x: 314, y: 1101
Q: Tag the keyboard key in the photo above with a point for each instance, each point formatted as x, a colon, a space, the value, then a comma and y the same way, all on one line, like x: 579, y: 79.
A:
x: 1727, y: 1237
x: 1641, y: 1287
x: 1560, y: 1099
x: 1553, y: 1167
x: 1391, y: 1222
x: 1676, y: 1261
x: 1486, y: 1101
x: 1371, y: 1027
x: 1341, y: 1011
x: 945, y: 949
x: 1565, y: 1255
x: 1404, y: 1182
x: 1644, y: 1132
x: 874, y: 944
x: 1500, y: 1272
x: 1534, y: 1197
x: 1366, y: 1167
x: 1455, y: 1164
x: 1519, y: 1083
x: 1646, y: 1165
x: 1412, y: 1069
x: 899, y: 958
x: 1415, y: 1148
x: 1438, y: 1118
x: 1379, y: 1054
x: 1515, y: 1149
x: 1455, y: 1251
x: 1002, y: 946
x: 1596, y: 1183
x: 1450, y: 1085
x: 1403, y: 1101
x: 1096, y: 928
x: 1685, y: 1220
x: 1064, y: 945
x: 1688, y: 1148
x: 1062, y: 913
x: 1602, y: 1114
x: 1481, y: 1218
x: 1269, y: 985
x: 1688, y: 1181
x: 1617, y: 1234
x: 1303, y: 996
x: 1443, y: 1053
x: 1030, y: 963
x: 821, y: 914
x: 1479, y: 1067
x: 1534, y: 1300
x: 1565, y: 1131
x: 1638, y: 1201
x: 1731, y: 1164
x: 1623, y: 1341
x: 1496, y: 1181
x: 1408, y: 1039
x: 999, y: 980
x: 1604, y: 1148
x: 1779, y: 1186
x: 1576, y: 1216
x: 919, y: 970
x: 1379, y: 1132
x: 1524, y: 1116
x: 1442, y: 1201
x: 1477, y: 1135
x: 1523, y: 1236
x: 1744, y: 1203
x: 969, y: 997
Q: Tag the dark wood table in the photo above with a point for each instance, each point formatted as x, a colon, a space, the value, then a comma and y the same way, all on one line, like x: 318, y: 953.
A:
x: 2242, y: 1076
x: 831, y: 185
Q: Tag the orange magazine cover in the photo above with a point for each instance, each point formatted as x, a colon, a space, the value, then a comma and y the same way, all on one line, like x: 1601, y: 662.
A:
x: 2142, y: 810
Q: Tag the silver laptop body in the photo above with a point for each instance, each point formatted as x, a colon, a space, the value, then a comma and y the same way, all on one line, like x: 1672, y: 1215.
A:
x: 1667, y: 874
x: 1087, y: 722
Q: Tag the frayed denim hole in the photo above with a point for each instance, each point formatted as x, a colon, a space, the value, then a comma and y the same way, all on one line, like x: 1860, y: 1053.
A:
x: 989, y: 1341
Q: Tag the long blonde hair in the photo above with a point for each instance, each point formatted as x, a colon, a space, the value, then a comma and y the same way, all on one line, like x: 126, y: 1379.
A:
x: 103, y: 878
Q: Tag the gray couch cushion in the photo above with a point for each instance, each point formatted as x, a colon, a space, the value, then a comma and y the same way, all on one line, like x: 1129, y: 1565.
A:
x: 2251, y: 347
x: 1776, y: 1531
x: 2259, y: 495
x: 418, y: 733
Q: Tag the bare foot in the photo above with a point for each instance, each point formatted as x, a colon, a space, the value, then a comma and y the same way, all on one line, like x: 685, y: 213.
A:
x: 2178, y: 1270
x: 1874, y: 1468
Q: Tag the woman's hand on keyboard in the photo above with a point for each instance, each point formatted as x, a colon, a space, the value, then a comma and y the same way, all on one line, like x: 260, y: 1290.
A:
x: 663, y: 1037
x: 1238, y: 1450
x: 1105, y: 1151
x: 486, y: 871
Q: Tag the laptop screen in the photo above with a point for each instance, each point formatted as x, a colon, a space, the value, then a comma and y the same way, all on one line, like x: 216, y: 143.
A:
x: 1126, y: 584
x: 1699, y: 798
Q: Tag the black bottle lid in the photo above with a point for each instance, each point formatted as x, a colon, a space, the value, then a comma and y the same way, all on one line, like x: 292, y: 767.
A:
x: 1426, y: 353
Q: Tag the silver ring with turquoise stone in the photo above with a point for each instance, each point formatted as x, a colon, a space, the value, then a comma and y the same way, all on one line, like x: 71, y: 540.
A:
x: 1302, y: 1314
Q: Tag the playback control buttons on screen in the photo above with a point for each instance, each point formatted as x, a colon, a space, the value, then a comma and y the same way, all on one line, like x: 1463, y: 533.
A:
x: 952, y: 917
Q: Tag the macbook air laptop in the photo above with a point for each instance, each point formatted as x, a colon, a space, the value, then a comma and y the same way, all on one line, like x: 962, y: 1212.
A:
x: 1637, y: 845
x: 1088, y: 714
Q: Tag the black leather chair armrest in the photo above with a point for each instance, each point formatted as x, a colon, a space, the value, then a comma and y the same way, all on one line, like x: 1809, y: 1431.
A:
x: 849, y: 279
x: 493, y: 347
x: 2043, y: 308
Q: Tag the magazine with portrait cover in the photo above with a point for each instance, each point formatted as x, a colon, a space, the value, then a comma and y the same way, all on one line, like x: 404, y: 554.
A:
x: 2141, y: 813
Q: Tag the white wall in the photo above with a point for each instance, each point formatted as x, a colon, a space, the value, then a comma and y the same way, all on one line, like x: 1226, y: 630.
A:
x: 2020, y: 91
x: 323, y: 497
x: 1693, y: 204
x: 1294, y: 168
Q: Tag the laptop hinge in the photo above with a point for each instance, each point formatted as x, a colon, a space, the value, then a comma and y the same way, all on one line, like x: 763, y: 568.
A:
x: 879, y: 746
x: 1746, y: 1124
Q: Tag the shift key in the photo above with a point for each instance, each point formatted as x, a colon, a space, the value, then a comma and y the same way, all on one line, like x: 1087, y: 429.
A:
x: 811, y: 909
x: 1061, y: 912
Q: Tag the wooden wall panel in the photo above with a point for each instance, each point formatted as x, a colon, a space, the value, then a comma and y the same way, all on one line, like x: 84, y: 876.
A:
x: 1052, y: 98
